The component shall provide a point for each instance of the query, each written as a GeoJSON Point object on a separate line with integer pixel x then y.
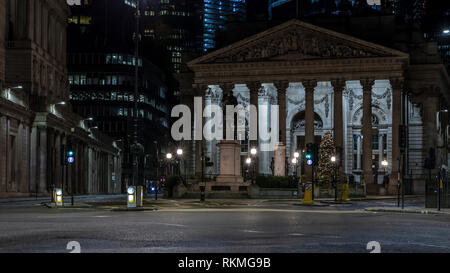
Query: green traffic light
{"type": "Point", "coordinates": [70, 153]}
{"type": "Point", "coordinates": [308, 156]}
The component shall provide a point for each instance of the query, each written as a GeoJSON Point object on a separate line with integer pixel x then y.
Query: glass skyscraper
{"type": "Point", "coordinates": [215, 15]}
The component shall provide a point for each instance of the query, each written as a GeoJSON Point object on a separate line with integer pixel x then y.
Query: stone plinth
{"type": "Point", "coordinates": [280, 159]}
{"type": "Point", "coordinates": [230, 163]}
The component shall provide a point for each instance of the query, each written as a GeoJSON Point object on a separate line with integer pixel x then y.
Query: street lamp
{"type": "Point", "coordinates": [334, 160]}
{"type": "Point", "coordinates": [296, 154]}
{"type": "Point", "coordinates": [295, 162]}
{"type": "Point", "coordinates": [253, 152]}
{"type": "Point", "coordinates": [169, 156]}
{"type": "Point", "coordinates": [179, 155]}
{"type": "Point", "coordinates": [248, 161]}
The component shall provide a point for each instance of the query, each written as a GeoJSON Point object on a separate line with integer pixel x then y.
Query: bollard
{"type": "Point", "coordinates": [308, 199]}
{"type": "Point", "coordinates": [131, 197]}
{"type": "Point", "coordinates": [344, 196]}
{"type": "Point", "coordinates": [202, 193]}
{"type": "Point", "coordinates": [58, 197]}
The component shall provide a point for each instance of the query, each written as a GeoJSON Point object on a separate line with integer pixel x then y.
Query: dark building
{"type": "Point", "coordinates": [437, 26]}
{"type": "Point", "coordinates": [187, 28]}
{"type": "Point", "coordinates": [101, 65]}
{"type": "Point", "coordinates": [174, 26]}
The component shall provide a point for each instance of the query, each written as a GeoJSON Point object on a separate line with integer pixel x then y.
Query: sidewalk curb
{"type": "Point", "coordinates": [84, 206]}
{"type": "Point", "coordinates": [424, 211]}
{"type": "Point", "coordinates": [132, 209]}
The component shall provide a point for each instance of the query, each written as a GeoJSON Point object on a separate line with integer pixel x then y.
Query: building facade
{"type": "Point", "coordinates": [35, 115]}
{"type": "Point", "coordinates": [324, 81]}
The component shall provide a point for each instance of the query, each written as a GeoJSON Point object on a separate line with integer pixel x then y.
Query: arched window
{"type": "Point", "coordinates": [299, 123]}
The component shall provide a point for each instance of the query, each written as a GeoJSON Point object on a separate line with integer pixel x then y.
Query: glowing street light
{"type": "Point", "coordinates": [333, 159]}
{"type": "Point", "coordinates": [446, 31]}
{"type": "Point", "coordinates": [180, 152]}
{"type": "Point", "coordinates": [294, 161]}
{"type": "Point", "coordinates": [296, 154]}
{"type": "Point", "coordinates": [169, 156]}
{"type": "Point", "coordinates": [248, 161]}
{"type": "Point", "coordinates": [384, 163]}
{"type": "Point", "coordinates": [253, 151]}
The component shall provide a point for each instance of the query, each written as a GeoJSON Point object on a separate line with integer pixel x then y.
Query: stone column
{"type": "Point", "coordinates": [367, 85]}
{"type": "Point", "coordinates": [3, 152]}
{"type": "Point", "coordinates": [42, 159]}
{"type": "Point", "coordinates": [198, 144]}
{"type": "Point", "coordinates": [280, 150]}
{"type": "Point", "coordinates": [254, 95]}
{"type": "Point", "coordinates": [430, 108]}
{"type": "Point", "coordinates": [309, 120]}
{"type": "Point", "coordinates": [358, 159]}
{"type": "Point", "coordinates": [397, 86]}
{"type": "Point", "coordinates": [339, 85]}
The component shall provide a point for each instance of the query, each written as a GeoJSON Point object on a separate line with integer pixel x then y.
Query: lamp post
{"type": "Point", "coordinates": [295, 162]}
{"type": "Point", "coordinates": [253, 152]}
{"type": "Point", "coordinates": [179, 157]}
{"type": "Point", "coordinates": [169, 157]}
{"type": "Point", "coordinates": [248, 161]}
{"type": "Point", "coordinates": [334, 161]}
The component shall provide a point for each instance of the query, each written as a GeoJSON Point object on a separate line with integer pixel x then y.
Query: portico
{"type": "Point", "coordinates": [322, 81]}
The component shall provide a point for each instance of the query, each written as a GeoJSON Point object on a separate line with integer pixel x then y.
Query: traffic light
{"type": "Point", "coordinates": [70, 154]}
{"type": "Point", "coordinates": [162, 180]}
{"type": "Point", "coordinates": [208, 162]}
{"type": "Point", "coordinates": [309, 154]}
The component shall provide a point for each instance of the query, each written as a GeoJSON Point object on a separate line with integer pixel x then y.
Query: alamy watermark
{"type": "Point", "coordinates": [262, 125]}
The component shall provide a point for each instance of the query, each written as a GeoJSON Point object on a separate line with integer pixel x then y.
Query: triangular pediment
{"type": "Point", "coordinates": [296, 40]}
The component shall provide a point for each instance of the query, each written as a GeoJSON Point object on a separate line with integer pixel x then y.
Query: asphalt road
{"type": "Point", "coordinates": [248, 230]}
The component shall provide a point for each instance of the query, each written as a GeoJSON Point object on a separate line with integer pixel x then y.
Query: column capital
{"type": "Point", "coordinates": [227, 87]}
{"type": "Point", "coordinates": [254, 86]}
{"type": "Point", "coordinates": [397, 83]}
{"type": "Point", "coordinates": [309, 85]}
{"type": "Point", "coordinates": [281, 85]}
{"type": "Point", "coordinates": [201, 88]}
{"type": "Point", "coordinates": [339, 84]}
{"type": "Point", "coordinates": [367, 84]}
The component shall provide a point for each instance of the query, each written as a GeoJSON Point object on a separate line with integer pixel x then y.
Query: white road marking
{"type": "Point", "coordinates": [252, 231]}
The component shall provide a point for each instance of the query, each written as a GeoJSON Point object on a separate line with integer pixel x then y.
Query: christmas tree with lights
{"type": "Point", "coordinates": [325, 168]}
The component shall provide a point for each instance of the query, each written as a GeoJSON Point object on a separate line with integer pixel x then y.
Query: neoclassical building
{"type": "Point", "coordinates": [327, 81]}
{"type": "Point", "coordinates": [36, 118]}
